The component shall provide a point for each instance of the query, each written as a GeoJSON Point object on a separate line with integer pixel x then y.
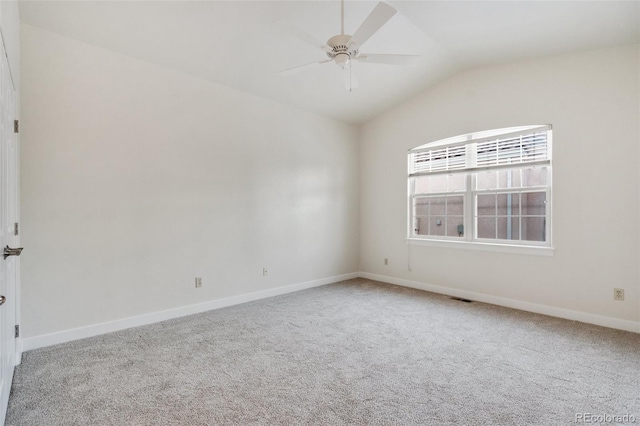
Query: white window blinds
{"type": "Point", "coordinates": [515, 147]}
{"type": "Point", "coordinates": [439, 159]}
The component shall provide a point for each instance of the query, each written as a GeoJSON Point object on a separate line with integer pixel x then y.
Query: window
{"type": "Point", "coordinates": [489, 187]}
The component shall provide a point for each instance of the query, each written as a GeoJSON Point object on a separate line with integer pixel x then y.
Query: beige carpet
{"type": "Point", "coordinates": [356, 352]}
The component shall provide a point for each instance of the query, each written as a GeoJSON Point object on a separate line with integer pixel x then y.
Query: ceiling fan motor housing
{"type": "Point", "coordinates": [340, 51]}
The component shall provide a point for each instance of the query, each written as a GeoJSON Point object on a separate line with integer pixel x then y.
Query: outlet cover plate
{"type": "Point", "coordinates": [618, 294]}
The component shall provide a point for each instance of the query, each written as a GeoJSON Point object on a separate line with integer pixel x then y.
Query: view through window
{"type": "Point", "coordinates": [487, 187]}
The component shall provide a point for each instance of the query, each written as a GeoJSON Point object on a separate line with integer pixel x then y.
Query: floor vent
{"type": "Point", "coordinates": [460, 299]}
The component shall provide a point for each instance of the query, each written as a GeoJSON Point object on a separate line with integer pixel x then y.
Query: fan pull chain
{"type": "Point", "coordinates": [350, 76]}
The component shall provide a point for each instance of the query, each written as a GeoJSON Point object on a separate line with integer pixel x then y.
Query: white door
{"type": "Point", "coordinates": [8, 217]}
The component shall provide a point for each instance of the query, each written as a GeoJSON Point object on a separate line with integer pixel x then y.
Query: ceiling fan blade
{"type": "Point", "coordinates": [376, 19]}
{"type": "Point", "coordinates": [297, 69]}
{"type": "Point", "coordinates": [380, 58]}
{"type": "Point", "coordinates": [301, 35]}
{"type": "Point", "coordinates": [349, 78]}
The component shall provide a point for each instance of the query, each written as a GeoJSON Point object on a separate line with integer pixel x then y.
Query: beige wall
{"type": "Point", "coordinates": [136, 179]}
{"type": "Point", "coordinates": [592, 100]}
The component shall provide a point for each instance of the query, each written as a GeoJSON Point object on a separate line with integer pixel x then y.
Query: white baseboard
{"type": "Point", "coordinates": [511, 303]}
{"type": "Point", "coordinates": [121, 324]}
{"type": "Point", "coordinates": [111, 326]}
{"type": "Point", "coordinates": [18, 359]}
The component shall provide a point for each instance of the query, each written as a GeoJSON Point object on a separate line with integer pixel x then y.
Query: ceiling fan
{"type": "Point", "coordinates": [344, 49]}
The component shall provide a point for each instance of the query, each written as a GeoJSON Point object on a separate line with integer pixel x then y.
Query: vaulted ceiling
{"type": "Point", "coordinates": [242, 44]}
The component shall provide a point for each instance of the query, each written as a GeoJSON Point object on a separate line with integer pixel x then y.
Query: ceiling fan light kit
{"type": "Point", "coordinates": [340, 51]}
{"type": "Point", "coordinates": [343, 49]}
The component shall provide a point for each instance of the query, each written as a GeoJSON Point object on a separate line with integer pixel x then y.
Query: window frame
{"type": "Point", "coordinates": [470, 238]}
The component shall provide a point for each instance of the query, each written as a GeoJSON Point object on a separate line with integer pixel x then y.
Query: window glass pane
{"type": "Point", "coordinates": [533, 203]}
{"type": "Point", "coordinates": [533, 228]}
{"type": "Point", "coordinates": [421, 206]}
{"type": "Point", "coordinates": [437, 225]}
{"type": "Point", "coordinates": [486, 204]}
{"type": "Point", "coordinates": [502, 179]}
{"type": "Point", "coordinates": [535, 176]}
{"type": "Point", "coordinates": [421, 185]}
{"type": "Point", "coordinates": [437, 206]}
{"type": "Point", "coordinates": [502, 204]}
{"type": "Point", "coordinates": [509, 204]}
{"type": "Point", "coordinates": [515, 203]}
{"type": "Point", "coordinates": [508, 228]}
{"type": "Point", "coordinates": [458, 182]}
{"type": "Point", "coordinates": [438, 183]}
{"type": "Point", "coordinates": [455, 227]}
{"type": "Point", "coordinates": [487, 227]}
{"type": "Point", "coordinates": [509, 178]}
{"type": "Point", "coordinates": [515, 228]}
{"type": "Point", "coordinates": [455, 205]}
{"type": "Point", "coordinates": [486, 180]}
{"type": "Point", "coordinates": [422, 226]}
{"type": "Point", "coordinates": [516, 178]}
{"type": "Point", "coordinates": [502, 228]}
{"type": "Point", "coordinates": [438, 215]}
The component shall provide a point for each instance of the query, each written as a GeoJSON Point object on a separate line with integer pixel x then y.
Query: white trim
{"type": "Point", "coordinates": [600, 320]}
{"type": "Point", "coordinates": [5, 396]}
{"type": "Point", "coordinates": [530, 165]}
{"type": "Point", "coordinates": [475, 245]}
{"type": "Point", "coordinates": [485, 135]}
{"type": "Point", "coordinates": [150, 318]}
{"type": "Point", "coordinates": [18, 357]}
{"type": "Point", "coordinates": [36, 342]}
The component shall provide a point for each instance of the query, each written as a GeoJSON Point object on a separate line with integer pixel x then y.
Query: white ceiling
{"type": "Point", "coordinates": [240, 43]}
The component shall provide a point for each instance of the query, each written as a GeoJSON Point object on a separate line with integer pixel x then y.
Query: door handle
{"type": "Point", "coordinates": [2, 300]}
{"type": "Point", "coordinates": [8, 251]}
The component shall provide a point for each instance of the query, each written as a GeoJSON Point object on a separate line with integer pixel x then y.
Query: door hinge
{"type": "Point", "coordinates": [17, 331]}
{"type": "Point", "coordinates": [16, 229]}
{"type": "Point", "coordinates": [16, 126]}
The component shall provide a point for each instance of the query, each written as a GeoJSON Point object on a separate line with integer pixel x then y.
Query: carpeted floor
{"type": "Point", "coordinates": [357, 352]}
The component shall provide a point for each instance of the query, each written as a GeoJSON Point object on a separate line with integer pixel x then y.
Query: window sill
{"type": "Point", "coordinates": [500, 248]}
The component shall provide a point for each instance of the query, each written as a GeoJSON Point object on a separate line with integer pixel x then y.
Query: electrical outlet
{"type": "Point", "coordinates": [386, 261]}
{"type": "Point", "coordinates": [265, 272]}
{"type": "Point", "coordinates": [618, 294]}
{"type": "Point", "coordinates": [198, 282]}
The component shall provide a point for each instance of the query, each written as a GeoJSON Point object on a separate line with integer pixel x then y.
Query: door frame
{"type": "Point", "coordinates": [14, 205]}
